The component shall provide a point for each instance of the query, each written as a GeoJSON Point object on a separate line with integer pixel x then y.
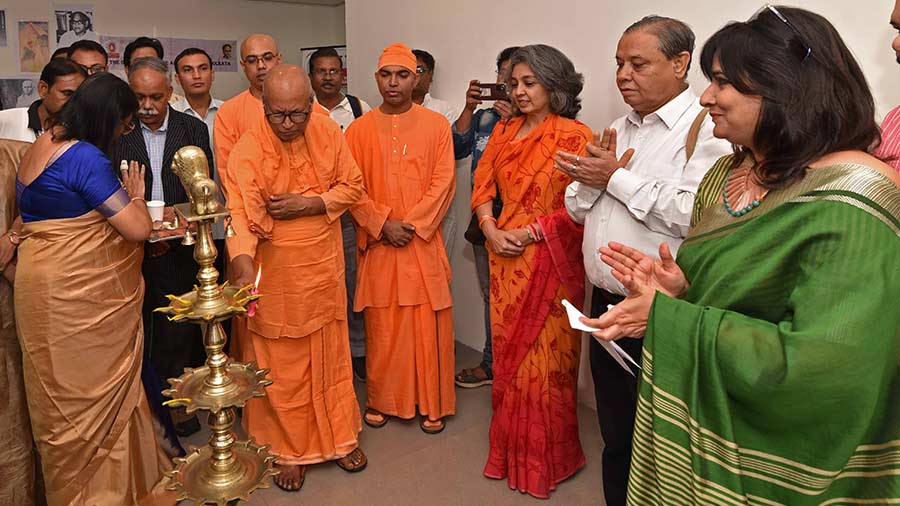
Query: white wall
{"type": "Point", "coordinates": [294, 26]}
{"type": "Point", "coordinates": [465, 36]}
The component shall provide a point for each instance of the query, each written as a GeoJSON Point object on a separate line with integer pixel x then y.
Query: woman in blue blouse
{"type": "Point", "coordinates": [78, 296]}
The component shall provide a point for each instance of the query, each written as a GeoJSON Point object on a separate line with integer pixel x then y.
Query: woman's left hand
{"type": "Point", "coordinates": [627, 318]}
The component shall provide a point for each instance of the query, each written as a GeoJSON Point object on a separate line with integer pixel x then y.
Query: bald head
{"type": "Point", "coordinates": [256, 42]}
{"type": "Point", "coordinates": [287, 99]}
{"type": "Point", "coordinates": [259, 53]}
{"type": "Point", "coordinates": [286, 82]}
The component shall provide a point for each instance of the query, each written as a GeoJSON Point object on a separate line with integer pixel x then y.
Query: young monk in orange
{"type": "Point", "coordinates": [406, 155]}
{"type": "Point", "coordinates": [290, 178]}
{"type": "Point", "coordinates": [259, 53]}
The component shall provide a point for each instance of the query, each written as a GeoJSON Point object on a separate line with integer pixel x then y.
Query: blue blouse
{"type": "Point", "coordinates": [80, 180]}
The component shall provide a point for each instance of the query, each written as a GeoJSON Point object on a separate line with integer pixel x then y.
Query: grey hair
{"type": "Point", "coordinates": [152, 63]}
{"type": "Point", "coordinates": [556, 73]}
{"type": "Point", "coordinates": [674, 36]}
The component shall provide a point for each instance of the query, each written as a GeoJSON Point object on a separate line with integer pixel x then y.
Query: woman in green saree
{"type": "Point", "coordinates": [770, 362]}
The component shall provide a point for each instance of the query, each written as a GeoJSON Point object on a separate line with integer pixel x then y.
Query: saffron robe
{"type": "Point", "coordinates": [408, 168]}
{"type": "Point", "coordinates": [310, 413]}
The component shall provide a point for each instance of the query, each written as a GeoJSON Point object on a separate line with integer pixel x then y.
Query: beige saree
{"type": "Point", "coordinates": [78, 297]}
{"type": "Point", "coordinates": [17, 462]}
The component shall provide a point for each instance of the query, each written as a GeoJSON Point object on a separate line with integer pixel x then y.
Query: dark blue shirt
{"type": "Point", "coordinates": [475, 139]}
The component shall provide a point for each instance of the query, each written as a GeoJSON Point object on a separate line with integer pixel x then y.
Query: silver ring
{"type": "Point", "coordinates": [577, 160]}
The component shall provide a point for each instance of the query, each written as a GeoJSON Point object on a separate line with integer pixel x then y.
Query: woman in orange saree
{"type": "Point", "coordinates": [78, 297]}
{"type": "Point", "coordinates": [535, 262]}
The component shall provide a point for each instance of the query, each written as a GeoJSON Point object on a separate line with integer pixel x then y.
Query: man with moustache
{"type": "Point", "coordinates": [59, 79]}
{"type": "Point", "coordinates": [169, 267]}
{"type": "Point", "coordinates": [405, 153]}
{"type": "Point", "coordinates": [889, 149]}
{"type": "Point", "coordinates": [290, 178]}
{"type": "Point", "coordinates": [636, 186]}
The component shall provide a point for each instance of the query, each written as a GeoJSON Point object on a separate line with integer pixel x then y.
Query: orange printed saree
{"type": "Point", "coordinates": [534, 430]}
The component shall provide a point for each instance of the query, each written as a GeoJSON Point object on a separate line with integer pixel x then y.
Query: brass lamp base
{"type": "Point", "coordinates": [192, 390]}
{"type": "Point", "coordinates": [195, 480]}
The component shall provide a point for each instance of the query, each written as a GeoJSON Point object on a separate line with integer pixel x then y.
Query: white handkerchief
{"type": "Point", "coordinates": [611, 347]}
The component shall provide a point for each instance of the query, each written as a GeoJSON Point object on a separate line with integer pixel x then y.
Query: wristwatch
{"type": "Point", "coordinates": [13, 237]}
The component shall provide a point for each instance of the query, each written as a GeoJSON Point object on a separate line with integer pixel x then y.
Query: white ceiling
{"type": "Point", "coordinates": [307, 2]}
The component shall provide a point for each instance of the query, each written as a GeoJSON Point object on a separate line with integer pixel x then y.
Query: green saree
{"type": "Point", "coordinates": [774, 379]}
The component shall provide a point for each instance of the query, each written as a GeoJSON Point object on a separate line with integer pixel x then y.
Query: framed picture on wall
{"type": "Point", "coordinates": [34, 46]}
{"type": "Point", "coordinates": [74, 23]}
{"type": "Point", "coordinates": [2, 28]}
{"type": "Point", "coordinates": [306, 52]}
{"type": "Point", "coordinates": [18, 91]}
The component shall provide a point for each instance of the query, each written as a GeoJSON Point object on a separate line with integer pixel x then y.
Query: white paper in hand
{"type": "Point", "coordinates": [615, 351]}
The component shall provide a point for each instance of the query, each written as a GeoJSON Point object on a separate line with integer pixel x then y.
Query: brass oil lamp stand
{"type": "Point", "coordinates": [225, 470]}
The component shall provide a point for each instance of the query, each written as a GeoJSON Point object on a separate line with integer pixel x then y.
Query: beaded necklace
{"type": "Point", "coordinates": [736, 192]}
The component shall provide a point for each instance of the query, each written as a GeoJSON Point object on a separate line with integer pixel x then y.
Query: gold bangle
{"type": "Point", "coordinates": [142, 199]}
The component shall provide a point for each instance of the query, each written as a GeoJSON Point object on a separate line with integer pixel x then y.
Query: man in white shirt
{"type": "Point", "coordinates": [425, 70]}
{"type": "Point", "coordinates": [637, 186]}
{"type": "Point", "coordinates": [326, 74]}
{"type": "Point", "coordinates": [59, 80]}
{"type": "Point", "coordinates": [195, 73]}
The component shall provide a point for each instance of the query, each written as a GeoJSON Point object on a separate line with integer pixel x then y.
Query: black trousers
{"type": "Point", "coordinates": [170, 346]}
{"type": "Point", "coordinates": [616, 394]}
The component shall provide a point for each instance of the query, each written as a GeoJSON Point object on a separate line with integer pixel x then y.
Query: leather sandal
{"type": "Point", "coordinates": [353, 462]}
{"type": "Point", "coordinates": [374, 423]}
{"type": "Point", "coordinates": [431, 429]}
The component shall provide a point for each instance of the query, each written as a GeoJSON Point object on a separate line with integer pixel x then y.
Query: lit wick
{"type": "Point", "coordinates": [251, 308]}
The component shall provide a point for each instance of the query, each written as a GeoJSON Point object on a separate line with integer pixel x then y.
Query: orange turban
{"type": "Point", "coordinates": [397, 54]}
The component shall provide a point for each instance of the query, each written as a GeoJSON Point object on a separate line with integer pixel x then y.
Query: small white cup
{"type": "Point", "coordinates": [157, 209]}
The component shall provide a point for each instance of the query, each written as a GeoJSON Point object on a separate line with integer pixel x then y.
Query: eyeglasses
{"type": "Point", "coordinates": [93, 69]}
{"type": "Point", "coordinates": [253, 59]}
{"type": "Point", "coordinates": [277, 118]}
{"type": "Point", "coordinates": [127, 127]}
{"type": "Point", "coordinates": [421, 69]}
{"type": "Point", "coordinates": [806, 48]}
{"type": "Point", "coordinates": [330, 72]}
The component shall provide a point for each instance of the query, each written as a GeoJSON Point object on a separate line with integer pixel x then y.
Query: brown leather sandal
{"type": "Point", "coordinates": [374, 422]}
{"type": "Point", "coordinates": [353, 462]}
{"type": "Point", "coordinates": [431, 429]}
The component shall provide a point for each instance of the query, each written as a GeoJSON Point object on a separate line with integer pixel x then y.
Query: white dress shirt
{"type": "Point", "coordinates": [441, 107]}
{"type": "Point", "coordinates": [649, 201]}
{"type": "Point", "coordinates": [342, 114]}
{"type": "Point", "coordinates": [14, 125]}
{"type": "Point", "coordinates": [184, 106]}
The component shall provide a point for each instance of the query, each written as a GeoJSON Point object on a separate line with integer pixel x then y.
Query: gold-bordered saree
{"type": "Point", "coordinates": [774, 379]}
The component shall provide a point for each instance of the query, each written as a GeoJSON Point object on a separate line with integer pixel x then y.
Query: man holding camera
{"type": "Point", "coordinates": [470, 136]}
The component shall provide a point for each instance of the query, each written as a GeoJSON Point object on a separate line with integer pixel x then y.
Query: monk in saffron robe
{"type": "Point", "coordinates": [405, 153]}
{"type": "Point", "coordinates": [289, 179]}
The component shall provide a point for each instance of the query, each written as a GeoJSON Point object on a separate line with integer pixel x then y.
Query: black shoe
{"type": "Point", "coordinates": [359, 368]}
{"type": "Point", "coordinates": [187, 427]}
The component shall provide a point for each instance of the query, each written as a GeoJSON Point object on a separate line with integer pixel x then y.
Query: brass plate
{"type": "Point", "coordinates": [190, 390]}
{"type": "Point", "coordinates": [194, 480]}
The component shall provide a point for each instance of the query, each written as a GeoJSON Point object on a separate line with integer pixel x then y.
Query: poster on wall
{"type": "Point", "coordinates": [34, 45]}
{"type": "Point", "coordinates": [18, 91]}
{"type": "Point", "coordinates": [306, 52]}
{"type": "Point", "coordinates": [2, 28]}
{"type": "Point", "coordinates": [74, 23]}
{"type": "Point", "coordinates": [221, 51]}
